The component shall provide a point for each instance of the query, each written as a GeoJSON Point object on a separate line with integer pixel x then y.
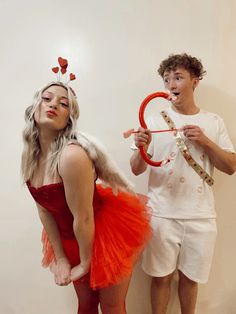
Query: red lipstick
{"type": "Point", "coordinates": [51, 113]}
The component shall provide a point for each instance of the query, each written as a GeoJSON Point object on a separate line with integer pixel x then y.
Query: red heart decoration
{"type": "Point", "coordinates": [72, 77]}
{"type": "Point", "coordinates": [63, 62]}
{"type": "Point", "coordinates": [55, 69]}
{"type": "Point", "coordinates": [63, 70]}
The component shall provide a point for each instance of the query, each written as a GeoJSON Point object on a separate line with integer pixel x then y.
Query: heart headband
{"type": "Point", "coordinates": [62, 69]}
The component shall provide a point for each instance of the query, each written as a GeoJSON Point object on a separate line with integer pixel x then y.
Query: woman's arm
{"type": "Point", "coordinates": [77, 173]}
{"type": "Point", "coordinates": [61, 268]}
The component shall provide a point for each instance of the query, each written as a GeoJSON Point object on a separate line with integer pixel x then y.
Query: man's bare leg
{"type": "Point", "coordinates": [160, 293]}
{"type": "Point", "coordinates": [187, 294]}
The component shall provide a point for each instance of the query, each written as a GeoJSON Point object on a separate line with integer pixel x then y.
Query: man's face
{"type": "Point", "coordinates": [181, 84]}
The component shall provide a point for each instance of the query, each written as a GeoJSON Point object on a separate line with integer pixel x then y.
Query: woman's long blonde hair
{"type": "Point", "coordinates": [32, 149]}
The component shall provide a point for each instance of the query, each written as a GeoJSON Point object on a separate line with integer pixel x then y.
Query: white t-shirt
{"type": "Point", "coordinates": [175, 190]}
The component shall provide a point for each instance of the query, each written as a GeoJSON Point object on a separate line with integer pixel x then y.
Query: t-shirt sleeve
{"type": "Point", "coordinates": [223, 138]}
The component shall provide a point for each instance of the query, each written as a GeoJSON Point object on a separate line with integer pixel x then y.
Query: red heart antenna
{"type": "Point", "coordinates": [63, 63]}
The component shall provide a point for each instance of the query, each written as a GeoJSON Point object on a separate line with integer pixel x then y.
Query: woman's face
{"type": "Point", "coordinates": [53, 112]}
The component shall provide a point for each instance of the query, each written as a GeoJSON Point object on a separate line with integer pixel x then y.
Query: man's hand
{"type": "Point", "coordinates": [195, 133]}
{"type": "Point", "coordinates": [142, 138]}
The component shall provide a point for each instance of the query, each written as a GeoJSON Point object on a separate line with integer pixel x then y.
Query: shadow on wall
{"type": "Point", "coordinates": [219, 102]}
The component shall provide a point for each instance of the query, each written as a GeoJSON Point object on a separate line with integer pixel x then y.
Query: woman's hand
{"type": "Point", "coordinates": [61, 270]}
{"type": "Point", "coordinates": [79, 271]}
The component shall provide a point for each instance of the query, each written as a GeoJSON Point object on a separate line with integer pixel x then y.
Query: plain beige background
{"type": "Point", "coordinates": [115, 47]}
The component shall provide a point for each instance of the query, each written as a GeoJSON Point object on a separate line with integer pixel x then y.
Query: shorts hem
{"type": "Point", "coordinates": [183, 217]}
{"type": "Point", "coordinates": [201, 281]}
{"type": "Point", "coordinates": [155, 274]}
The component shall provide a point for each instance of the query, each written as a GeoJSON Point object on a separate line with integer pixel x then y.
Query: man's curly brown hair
{"type": "Point", "coordinates": [191, 64]}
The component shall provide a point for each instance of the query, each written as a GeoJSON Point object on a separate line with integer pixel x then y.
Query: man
{"type": "Point", "coordinates": [180, 192]}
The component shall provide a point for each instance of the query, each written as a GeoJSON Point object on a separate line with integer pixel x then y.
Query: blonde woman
{"type": "Point", "coordinates": [92, 235]}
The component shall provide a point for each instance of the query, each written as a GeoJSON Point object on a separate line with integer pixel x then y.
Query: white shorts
{"type": "Point", "coordinates": [185, 244]}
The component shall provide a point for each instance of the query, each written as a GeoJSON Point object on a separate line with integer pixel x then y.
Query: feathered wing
{"type": "Point", "coordinates": [106, 169]}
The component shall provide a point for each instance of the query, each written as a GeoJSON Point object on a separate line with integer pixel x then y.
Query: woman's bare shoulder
{"type": "Point", "coordinates": [74, 157]}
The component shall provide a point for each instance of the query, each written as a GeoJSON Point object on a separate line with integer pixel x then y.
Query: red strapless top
{"type": "Point", "coordinates": [52, 197]}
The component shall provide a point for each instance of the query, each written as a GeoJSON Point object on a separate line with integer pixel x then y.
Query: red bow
{"type": "Point", "coordinates": [144, 125]}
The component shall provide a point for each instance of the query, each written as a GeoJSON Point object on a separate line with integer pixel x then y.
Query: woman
{"type": "Point", "coordinates": [92, 235]}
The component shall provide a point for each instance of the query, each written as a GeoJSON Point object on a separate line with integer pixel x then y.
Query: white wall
{"type": "Point", "coordinates": [115, 47]}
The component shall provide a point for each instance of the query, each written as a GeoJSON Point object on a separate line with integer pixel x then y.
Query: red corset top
{"type": "Point", "coordinates": [52, 197]}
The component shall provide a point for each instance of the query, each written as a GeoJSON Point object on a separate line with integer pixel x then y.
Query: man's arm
{"type": "Point", "coordinates": [142, 138]}
{"type": "Point", "coordinates": [138, 165]}
{"type": "Point", "coordinates": [221, 159]}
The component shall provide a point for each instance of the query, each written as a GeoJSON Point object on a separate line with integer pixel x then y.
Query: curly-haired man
{"type": "Point", "coordinates": [180, 193]}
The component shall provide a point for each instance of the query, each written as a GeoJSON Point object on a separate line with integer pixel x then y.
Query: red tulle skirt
{"type": "Point", "coordinates": [121, 231]}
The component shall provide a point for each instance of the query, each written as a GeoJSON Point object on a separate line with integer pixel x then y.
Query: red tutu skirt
{"type": "Point", "coordinates": [121, 231]}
